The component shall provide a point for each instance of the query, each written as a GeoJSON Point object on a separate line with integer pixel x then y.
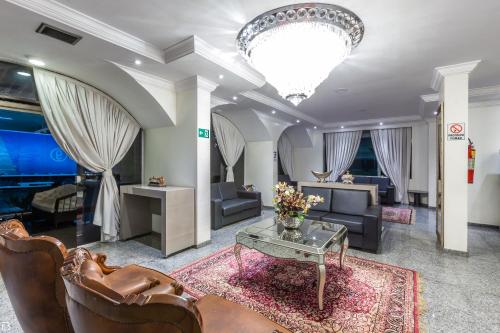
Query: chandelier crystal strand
{"type": "Point", "coordinates": [296, 47]}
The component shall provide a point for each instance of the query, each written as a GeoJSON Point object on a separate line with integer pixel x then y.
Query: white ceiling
{"type": "Point", "coordinates": [384, 77]}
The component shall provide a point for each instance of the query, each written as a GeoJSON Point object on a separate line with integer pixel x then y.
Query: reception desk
{"type": "Point", "coordinates": [372, 188]}
{"type": "Point", "coordinates": [174, 205]}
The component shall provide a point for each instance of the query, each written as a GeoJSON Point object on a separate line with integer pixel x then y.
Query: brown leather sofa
{"type": "Point", "coordinates": [30, 271]}
{"type": "Point", "coordinates": [97, 304]}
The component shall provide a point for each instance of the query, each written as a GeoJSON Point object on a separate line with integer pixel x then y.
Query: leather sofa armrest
{"type": "Point", "coordinates": [391, 190]}
{"type": "Point", "coordinates": [216, 213]}
{"type": "Point", "coordinates": [249, 194]}
{"type": "Point", "coordinates": [372, 228]}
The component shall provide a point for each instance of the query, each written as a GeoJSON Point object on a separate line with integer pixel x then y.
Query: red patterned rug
{"type": "Point", "coordinates": [364, 296]}
{"type": "Point", "coordinates": [398, 215]}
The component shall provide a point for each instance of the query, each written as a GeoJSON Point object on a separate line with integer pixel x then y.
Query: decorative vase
{"type": "Point", "coordinates": [291, 222]}
{"type": "Point", "coordinates": [291, 235]}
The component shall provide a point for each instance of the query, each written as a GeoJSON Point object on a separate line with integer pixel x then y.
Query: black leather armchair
{"type": "Point", "coordinates": [352, 209]}
{"type": "Point", "coordinates": [229, 205]}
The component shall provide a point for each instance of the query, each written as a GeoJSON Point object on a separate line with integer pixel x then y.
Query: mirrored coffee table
{"type": "Point", "coordinates": [311, 243]}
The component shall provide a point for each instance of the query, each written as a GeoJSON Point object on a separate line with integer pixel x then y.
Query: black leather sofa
{"type": "Point", "coordinates": [229, 205]}
{"type": "Point", "coordinates": [385, 187]}
{"type": "Point", "coordinates": [352, 209]}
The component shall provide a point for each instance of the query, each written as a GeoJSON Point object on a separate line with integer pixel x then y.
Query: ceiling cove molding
{"type": "Point", "coordinates": [442, 72]}
{"type": "Point", "coordinates": [194, 44]}
{"type": "Point", "coordinates": [271, 102]}
{"type": "Point", "coordinates": [195, 82]}
{"type": "Point", "coordinates": [217, 101]}
{"type": "Point", "coordinates": [476, 92]}
{"type": "Point", "coordinates": [374, 121]}
{"type": "Point", "coordinates": [147, 77]}
{"type": "Point", "coordinates": [77, 20]}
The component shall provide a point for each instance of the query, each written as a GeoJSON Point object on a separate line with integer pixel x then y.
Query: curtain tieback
{"type": "Point", "coordinates": [107, 173]}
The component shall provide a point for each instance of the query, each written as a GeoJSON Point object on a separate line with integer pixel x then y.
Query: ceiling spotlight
{"type": "Point", "coordinates": [235, 98]}
{"type": "Point", "coordinates": [342, 126]}
{"type": "Point", "coordinates": [297, 121]}
{"type": "Point", "coordinates": [23, 73]}
{"type": "Point", "coordinates": [138, 62]}
{"type": "Point", "coordinates": [221, 76]}
{"type": "Point", "coordinates": [273, 112]}
{"type": "Point", "coordinates": [435, 113]}
{"type": "Point", "coordinates": [381, 123]}
{"type": "Point", "coordinates": [36, 62]}
{"type": "Point", "coordinates": [326, 34]}
{"type": "Point", "coordinates": [315, 127]}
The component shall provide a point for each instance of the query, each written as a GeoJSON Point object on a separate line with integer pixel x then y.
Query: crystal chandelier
{"type": "Point", "coordinates": [296, 47]}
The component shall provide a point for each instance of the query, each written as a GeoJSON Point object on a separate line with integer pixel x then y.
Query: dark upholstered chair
{"type": "Point", "coordinates": [286, 179]}
{"type": "Point", "coordinates": [229, 205]}
{"type": "Point", "coordinates": [385, 188]}
{"type": "Point", "coordinates": [30, 271]}
{"type": "Point", "coordinates": [352, 209]}
{"type": "Point", "coordinates": [96, 307]}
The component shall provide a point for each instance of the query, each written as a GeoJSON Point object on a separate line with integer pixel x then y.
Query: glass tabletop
{"type": "Point", "coordinates": [312, 236]}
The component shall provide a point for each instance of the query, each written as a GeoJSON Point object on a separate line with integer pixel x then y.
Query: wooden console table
{"type": "Point", "coordinates": [372, 188]}
{"type": "Point", "coordinates": [174, 204]}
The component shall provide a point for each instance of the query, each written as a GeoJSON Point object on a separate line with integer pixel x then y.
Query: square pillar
{"type": "Point", "coordinates": [452, 82]}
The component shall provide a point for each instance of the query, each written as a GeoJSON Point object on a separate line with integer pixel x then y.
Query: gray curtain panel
{"type": "Point", "coordinates": [285, 150]}
{"type": "Point", "coordinates": [230, 141]}
{"type": "Point", "coordinates": [94, 130]}
{"type": "Point", "coordinates": [393, 150]}
{"type": "Point", "coordinates": [341, 149]}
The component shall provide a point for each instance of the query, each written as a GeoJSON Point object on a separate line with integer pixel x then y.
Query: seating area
{"type": "Point", "coordinates": [249, 166]}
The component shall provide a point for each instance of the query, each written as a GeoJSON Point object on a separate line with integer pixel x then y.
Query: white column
{"type": "Point", "coordinates": [453, 84]}
{"type": "Point", "coordinates": [180, 155]}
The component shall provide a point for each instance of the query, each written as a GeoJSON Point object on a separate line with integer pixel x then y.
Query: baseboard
{"type": "Point", "coordinates": [487, 226]}
{"type": "Point", "coordinates": [203, 244]}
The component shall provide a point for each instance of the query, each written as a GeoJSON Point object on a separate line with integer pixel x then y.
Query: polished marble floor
{"type": "Point", "coordinates": [462, 293]}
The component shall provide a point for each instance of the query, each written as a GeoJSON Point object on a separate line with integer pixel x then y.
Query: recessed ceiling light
{"type": "Point", "coordinates": [273, 112]}
{"type": "Point", "coordinates": [315, 127]}
{"type": "Point", "coordinates": [435, 113]}
{"type": "Point", "coordinates": [297, 121]}
{"type": "Point", "coordinates": [36, 62]}
{"type": "Point", "coordinates": [221, 76]}
{"type": "Point", "coordinates": [381, 123]}
{"type": "Point", "coordinates": [138, 62]}
{"type": "Point", "coordinates": [235, 98]}
{"type": "Point", "coordinates": [342, 126]}
{"type": "Point", "coordinates": [23, 73]}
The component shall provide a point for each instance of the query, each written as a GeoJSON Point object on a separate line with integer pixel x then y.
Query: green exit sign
{"type": "Point", "coordinates": [203, 133]}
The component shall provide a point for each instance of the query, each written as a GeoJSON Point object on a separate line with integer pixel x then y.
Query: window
{"type": "Point", "coordinates": [365, 162]}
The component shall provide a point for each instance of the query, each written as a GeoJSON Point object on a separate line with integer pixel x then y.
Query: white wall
{"type": "Point", "coordinates": [484, 194]}
{"type": "Point", "coordinates": [259, 168]}
{"type": "Point", "coordinates": [307, 159]}
{"type": "Point", "coordinates": [432, 155]}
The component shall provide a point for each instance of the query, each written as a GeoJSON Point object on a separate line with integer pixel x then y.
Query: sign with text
{"type": "Point", "coordinates": [203, 133]}
{"type": "Point", "coordinates": [456, 131]}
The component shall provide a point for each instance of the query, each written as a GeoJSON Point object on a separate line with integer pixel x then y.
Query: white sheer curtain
{"type": "Point", "coordinates": [393, 150]}
{"type": "Point", "coordinates": [93, 130]}
{"type": "Point", "coordinates": [285, 150]}
{"type": "Point", "coordinates": [341, 149]}
{"type": "Point", "coordinates": [231, 142]}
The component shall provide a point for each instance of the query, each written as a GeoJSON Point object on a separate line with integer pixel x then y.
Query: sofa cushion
{"type": "Point", "coordinates": [228, 191]}
{"type": "Point", "coordinates": [215, 191]}
{"type": "Point", "coordinates": [353, 223]}
{"type": "Point", "coordinates": [352, 202]}
{"type": "Point", "coordinates": [325, 193]}
{"type": "Point", "coordinates": [315, 215]}
{"type": "Point", "coordinates": [362, 180]}
{"type": "Point", "coordinates": [382, 182]}
{"type": "Point", "coordinates": [233, 206]}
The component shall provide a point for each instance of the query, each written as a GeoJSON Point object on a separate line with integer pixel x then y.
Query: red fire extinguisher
{"type": "Point", "coordinates": [472, 160]}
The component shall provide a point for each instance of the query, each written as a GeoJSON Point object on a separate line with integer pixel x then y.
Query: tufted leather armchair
{"type": "Point", "coordinates": [153, 303]}
{"type": "Point", "coordinates": [30, 271]}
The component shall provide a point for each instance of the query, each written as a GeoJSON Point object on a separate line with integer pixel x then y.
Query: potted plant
{"type": "Point", "coordinates": [291, 205]}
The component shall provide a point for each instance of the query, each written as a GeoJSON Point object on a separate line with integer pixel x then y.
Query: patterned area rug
{"type": "Point", "coordinates": [364, 296]}
{"type": "Point", "coordinates": [398, 215]}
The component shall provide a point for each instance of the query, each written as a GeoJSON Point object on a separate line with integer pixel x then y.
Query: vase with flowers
{"type": "Point", "coordinates": [291, 205]}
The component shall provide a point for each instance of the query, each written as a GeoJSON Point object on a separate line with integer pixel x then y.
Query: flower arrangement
{"type": "Point", "coordinates": [289, 202]}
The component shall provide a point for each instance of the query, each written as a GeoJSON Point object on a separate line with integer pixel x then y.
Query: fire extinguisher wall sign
{"type": "Point", "coordinates": [472, 160]}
